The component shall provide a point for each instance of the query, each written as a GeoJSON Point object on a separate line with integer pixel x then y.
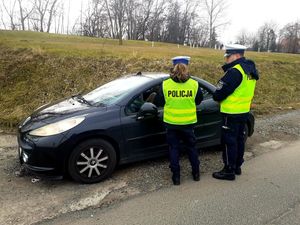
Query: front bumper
{"type": "Point", "coordinates": [41, 155]}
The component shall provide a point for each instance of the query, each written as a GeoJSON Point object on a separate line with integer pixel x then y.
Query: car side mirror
{"type": "Point", "coordinates": [147, 111]}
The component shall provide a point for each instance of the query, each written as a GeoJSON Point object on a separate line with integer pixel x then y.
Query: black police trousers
{"type": "Point", "coordinates": [233, 139]}
{"type": "Point", "coordinates": [174, 136]}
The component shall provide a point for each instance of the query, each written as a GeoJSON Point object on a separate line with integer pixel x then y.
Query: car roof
{"type": "Point", "coordinates": [162, 76]}
{"type": "Point", "coordinates": [152, 75]}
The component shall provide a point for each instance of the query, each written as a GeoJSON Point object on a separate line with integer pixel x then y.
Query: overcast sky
{"type": "Point", "coordinates": [251, 14]}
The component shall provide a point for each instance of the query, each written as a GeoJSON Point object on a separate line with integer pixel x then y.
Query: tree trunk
{"type": "Point", "coordinates": [41, 23]}
{"type": "Point", "coordinates": [21, 15]}
{"type": "Point", "coordinates": [110, 20]}
{"type": "Point", "coordinates": [120, 30]}
{"type": "Point", "coordinates": [51, 15]}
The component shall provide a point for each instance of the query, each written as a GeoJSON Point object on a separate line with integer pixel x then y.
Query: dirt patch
{"type": "Point", "coordinates": [24, 202]}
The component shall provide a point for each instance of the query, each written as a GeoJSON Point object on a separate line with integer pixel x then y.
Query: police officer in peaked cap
{"type": "Point", "coordinates": [235, 91]}
{"type": "Point", "coordinates": [181, 94]}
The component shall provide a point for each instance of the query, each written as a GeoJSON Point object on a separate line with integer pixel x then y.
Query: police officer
{"type": "Point", "coordinates": [235, 91]}
{"type": "Point", "coordinates": [181, 94]}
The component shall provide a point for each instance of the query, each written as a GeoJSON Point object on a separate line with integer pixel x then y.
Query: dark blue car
{"type": "Point", "coordinates": [87, 136]}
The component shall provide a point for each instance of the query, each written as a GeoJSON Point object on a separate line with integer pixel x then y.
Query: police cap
{"type": "Point", "coordinates": [181, 59]}
{"type": "Point", "coordinates": [234, 49]}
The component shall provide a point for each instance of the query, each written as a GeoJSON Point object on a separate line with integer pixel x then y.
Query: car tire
{"type": "Point", "coordinates": [92, 161]}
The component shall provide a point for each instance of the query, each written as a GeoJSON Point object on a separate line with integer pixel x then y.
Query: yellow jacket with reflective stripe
{"type": "Point", "coordinates": [180, 106]}
{"type": "Point", "coordinates": [240, 100]}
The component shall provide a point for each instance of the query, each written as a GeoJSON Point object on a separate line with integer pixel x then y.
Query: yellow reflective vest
{"type": "Point", "coordinates": [240, 100]}
{"type": "Point", "coordinates": [180, 106]}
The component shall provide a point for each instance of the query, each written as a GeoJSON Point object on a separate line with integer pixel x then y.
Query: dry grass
{"type": "Point", "coordinates": [36, 68]}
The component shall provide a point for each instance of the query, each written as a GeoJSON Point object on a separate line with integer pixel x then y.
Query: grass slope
{"type": "Point", "coordinates": [37, 68]}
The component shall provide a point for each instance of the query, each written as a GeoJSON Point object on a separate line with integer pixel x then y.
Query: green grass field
{"type": "Point", "coordinates": [37, 68]}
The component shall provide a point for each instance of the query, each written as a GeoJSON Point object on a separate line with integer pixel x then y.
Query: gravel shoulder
{"type": "Point", "coordinates": [27, 202]}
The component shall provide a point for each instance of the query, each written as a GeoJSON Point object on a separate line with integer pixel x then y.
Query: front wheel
{"type": "Point", "coordinates": [92, 161]}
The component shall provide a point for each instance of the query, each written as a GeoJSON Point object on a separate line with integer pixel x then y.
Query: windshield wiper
{"type": "Point", "coordinates": [80, 98]}
{"type": "Point", "coordinates": [37, 116]}
{"type": "Point", "coordinates": [100, 104]}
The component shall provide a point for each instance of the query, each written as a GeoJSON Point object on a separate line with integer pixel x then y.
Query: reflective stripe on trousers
{"type": "Point", "coordinates": [233, 139]}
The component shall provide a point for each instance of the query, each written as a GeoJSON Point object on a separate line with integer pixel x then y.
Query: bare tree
{"type": "Point", "coordinates": [45, 10]}
{"type": "Point", "coordinates": [188, 16]}
{"type": "Point", "coordinates": [68, 21]}
{"type": "Point", "coordinates": [146, 6]}
{"type": "Point", "coordinates": [10, 11]}
{"type": "Point", "coordinates": [131, 13]}
{"type": "Point", "coordinates": [119, 10]}
{"type": "Point", "coordinates": [203, 35]}
{"type": "Point", "coordinates": [88, 23]}
{"type": "Point", "coordinates": [216, 10]}
{"type": "Point", "coordinates": [199, 33]}
{"type": "Point", "coordinates": [81, 18]}
{"type": "Point", "coordinates": [41, 7]}
{"type": "Point", "coordinates": [25, 12]}
{"type": "Point", "coordinates": [95, 22]}
{"type": "Point", "coordinates": [242, 38]}
{"type": "Point", "coordinates": [59, 18]}
{"type": "Point", "coordinates": [62, 23]}
{"type": "Point", "coordinates": [2, 20]}
{"type": "Point", "coordinates": [116, 13]}
{"type": "Point", "coordinates": [248, 39]}
{"type": "Point", "coordinates": [267, 37]}
{"type": "Point", "coordinates": [157, 20]}
{"type": "Point", "coordinates": [110, 16]}
{"type": "Point", "coordinates": [51, 12]}
{"type": "Point", "coordinates": [173, 23]}
{"type": "Point", "coordinates": [154, 20]}
{"type": "Point", "coordinates": [289, 40]}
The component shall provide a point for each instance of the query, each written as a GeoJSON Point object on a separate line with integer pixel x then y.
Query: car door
{"type": "Point", "coordinates": [208, 127]}
{"type": "Point", "coordinates": [143, 138]}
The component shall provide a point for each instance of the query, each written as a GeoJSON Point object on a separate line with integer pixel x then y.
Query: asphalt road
{"type": "Point", "coordinates": [268, 192]}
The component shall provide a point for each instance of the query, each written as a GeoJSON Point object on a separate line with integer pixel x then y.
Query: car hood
{"type": "Point", "coordinates": [54, 112]}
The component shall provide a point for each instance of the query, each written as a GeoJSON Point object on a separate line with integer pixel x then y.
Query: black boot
{"type": "Point", "coordinates": [238, 171]}
{"type": "Point", "coordinates": [227, 173]}
{"type": "Point", "coordinates": [196, 176]}
{"type": "Point", "coordinates": [176, 179]}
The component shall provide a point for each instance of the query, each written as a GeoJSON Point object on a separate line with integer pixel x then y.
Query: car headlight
{"type": "Point", "coordinates": [58, 127]}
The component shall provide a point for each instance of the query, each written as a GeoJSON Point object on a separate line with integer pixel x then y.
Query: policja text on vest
{"type": "Point", "coordinates": [180, 93]}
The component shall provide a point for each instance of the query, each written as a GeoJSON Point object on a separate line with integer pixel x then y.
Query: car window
{"type": "Point", "coordinates": [150, 95]}
{"type": "Point", "coordinates": [154, 95]}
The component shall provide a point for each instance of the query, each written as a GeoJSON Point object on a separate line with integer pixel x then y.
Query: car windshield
{"type": "Point", "coordinates": [114, 91]}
